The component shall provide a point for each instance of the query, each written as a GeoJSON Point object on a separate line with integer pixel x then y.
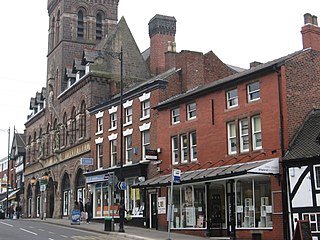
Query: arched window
{"type": "Point", "coordinates": [82, 122]}
{"type": "Point", "coordinates": [34, 146]}
{"type": "Point", "coordinates": [99, 26]}
{"type": "Point", "coordinates": [80, 32]}
{"type": "Point", "coordinates": [56, 143]}
{"type": "Point", "coordinates": [66, 195]}
{"type": "Point", "coordinates": [64, 130]}
{"type": "Point", "coordinates": [80, 185]}
{"type": "Point", "coordinates": [48, 141]}
{"type": "Point", "coordinates": [72, 132]}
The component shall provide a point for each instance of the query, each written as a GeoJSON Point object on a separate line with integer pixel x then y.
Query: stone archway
{"type": "Point", "coordinates": [50, 198]}
{"type": "Point", "coordinates": [66, 195]}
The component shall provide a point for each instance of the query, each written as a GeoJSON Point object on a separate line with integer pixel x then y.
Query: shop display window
{"type": "Point", "coordinates": [134, 199]}
{"type": "Point", "coordinates": [189, 207]}
{"type": "Point", "coordinates": [253, 203]}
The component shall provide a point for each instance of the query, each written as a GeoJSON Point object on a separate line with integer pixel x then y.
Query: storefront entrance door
{"type": "Point", "coordinates": [231, 225]}
{"type": "Point", "coordinates": [153, 211]}
{"type": "Point", "coordinates": [216, 209]}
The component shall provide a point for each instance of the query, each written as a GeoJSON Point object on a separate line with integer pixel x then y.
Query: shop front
{"type": "Point", "coordinates": [105, 188]}
{"type": "Point", "coordinates": [235, 200]}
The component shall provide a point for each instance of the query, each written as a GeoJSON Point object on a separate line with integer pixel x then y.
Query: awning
{"type": "Point", "coordinates": [11, 195]}
{"type": "Point", "coordinates": [270, 167]}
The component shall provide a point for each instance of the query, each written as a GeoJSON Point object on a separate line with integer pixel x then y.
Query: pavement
{"type": "Point", "coordinates": [132, 233]}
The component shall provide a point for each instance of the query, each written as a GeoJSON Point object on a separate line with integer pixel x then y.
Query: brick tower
{"type": "Point", "coordinates": [74, 26]}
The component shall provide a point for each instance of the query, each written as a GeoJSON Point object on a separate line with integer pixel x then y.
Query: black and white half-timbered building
{"type": "Point", "coordinates": [301, 166]}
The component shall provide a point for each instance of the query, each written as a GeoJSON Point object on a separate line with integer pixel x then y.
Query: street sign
{"type": "Point", "coordinates": [122, 185]}
{"type": "Point", "coordinates": [42, 187]}
{"type": "Point", "coordinates": [86, 161]}
{"type": "Point", "coordinates": [176, 175]}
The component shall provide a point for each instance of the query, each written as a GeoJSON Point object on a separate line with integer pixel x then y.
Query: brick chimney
{"type": "Point", "coordinates": [310, 32]}
{"type": "Point", "coordinates": [162, 30]}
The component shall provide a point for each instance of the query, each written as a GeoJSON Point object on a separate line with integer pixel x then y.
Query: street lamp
{"type": "Point", "coordinates": [33, 181]}
{"type": "Point", "coordinates": [119, 56]}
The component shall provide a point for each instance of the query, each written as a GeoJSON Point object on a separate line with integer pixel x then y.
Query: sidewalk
{"type": "Point", "coordinates": [130, 232]}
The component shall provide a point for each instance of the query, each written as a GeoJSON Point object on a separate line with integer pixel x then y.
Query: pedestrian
{"type": "Point", "coordinates": [82, 213]}
{"type": "Point", "coordinates": [88, 208]}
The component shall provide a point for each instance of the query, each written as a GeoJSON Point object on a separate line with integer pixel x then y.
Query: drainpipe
{"type": "Point", "coordinates": [285, 214]}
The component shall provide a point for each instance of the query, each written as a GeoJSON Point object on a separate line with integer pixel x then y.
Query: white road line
{"type": "Point", "coordinates": [50, 238]}
{"type": "Point", "coordinates": [31, 226]}
{"type": "Point", "coordinates": [42, 230]}
{"type": "Point", "coordinates": [25, 230]}
{"type": "Point", "coordinates": [6, 224]}
{"type": "Point", "coordinates": [64, 236]}
{"type": "Point", "coordinates": [51, 232]}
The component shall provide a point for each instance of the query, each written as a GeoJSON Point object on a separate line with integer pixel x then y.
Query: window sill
{"type": "Point", "coordinates": [98, 133]}
{"type": "Point", "coordinates": [112, 129]}
{"type": "Point", "coordinates": [127, 124]}
{"type": "Point", "coordinates": [145, 117]}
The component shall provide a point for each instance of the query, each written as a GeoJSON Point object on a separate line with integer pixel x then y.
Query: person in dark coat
{"type": "Point", "coordinates": [88, 208]}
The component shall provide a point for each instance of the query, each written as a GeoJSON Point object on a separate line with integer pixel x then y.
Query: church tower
{"type": "Point", "coordinates": [75, 25]}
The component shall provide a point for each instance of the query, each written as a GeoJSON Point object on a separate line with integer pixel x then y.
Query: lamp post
{"type": "Point", "coordinates": [119, 56]}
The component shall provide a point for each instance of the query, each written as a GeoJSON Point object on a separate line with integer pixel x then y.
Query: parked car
{"type": "Point", "coordinates": [2, 214]}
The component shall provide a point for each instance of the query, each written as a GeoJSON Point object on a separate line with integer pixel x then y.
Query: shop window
{"type": "Point", "coordinates": [134, 199]}
{"type": "Point", "coordinates": [189, 207]}
{"type": "Point", "coordinates": [314, 220]}
{"type": "Point", "coordinates": [254, 203]}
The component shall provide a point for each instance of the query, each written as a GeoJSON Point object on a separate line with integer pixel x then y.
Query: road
{"type": "Point", "coordinates": [22, 230]}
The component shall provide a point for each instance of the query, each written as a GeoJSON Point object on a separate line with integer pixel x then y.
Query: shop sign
{"type": "Point", "coordinates": [270, 167]}
{"type": "Point", "coordinates": [96, 178]}
{"type": "Point", "coordinates": [86, 161]}
{"type": "Point", "coordinates": [161, 205]}
{"type": "Point", "coordinates": [151, 154]}
{"type": "Point", "coordinates": [75, 217]}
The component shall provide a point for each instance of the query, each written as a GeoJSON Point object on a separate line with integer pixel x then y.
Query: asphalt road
{"type": "Point", "coordinates": [22, 230]}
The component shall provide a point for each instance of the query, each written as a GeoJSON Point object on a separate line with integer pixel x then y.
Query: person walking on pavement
{"type": "Point", "coordinates": [88, 208]}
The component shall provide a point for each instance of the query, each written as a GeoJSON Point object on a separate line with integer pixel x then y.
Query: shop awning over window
{"type": "Point", "coordinates": [270, 167]}
{"type": "Point", "coordinates": [11, 195]}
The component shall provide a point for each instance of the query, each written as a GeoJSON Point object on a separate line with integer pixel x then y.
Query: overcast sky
{"type": "Point", "coordinates": [238, 32]}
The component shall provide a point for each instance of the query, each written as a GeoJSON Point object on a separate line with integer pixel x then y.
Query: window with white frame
{"type": "Point", "coordinates": [232, 138]}
{"type": "Point", "coordinates": [99, 150]}
{"type": "Point", "coordinates": [128, 145]}
{"type": "Point", "coordinates": [113, 121]}
{"type": "Point", "coordinates": [314, 220]}
{"type": "Point", "coordinates": [175, 150]}
{"type": "Point", "coordinates": [232, 98]}
{"type": "Point", "coordinates": [113, 152]}
{"type": "Point", "coordinates": [184, 148]}
{"type": "Point", "coordinates": [256, 133]}
{"type": "Point", "coordinates": [253, 91]}
{"type": "Point", "coordinates": [145, 109]}
{"type": "Point", "coordinates": [317, 176]}
{"type": "Point", "coordinates": [99, 125]}
{"type": "Point", "coordinates": [191, 111]}
{"type": "Point", "coordinates": [145, 142]}
{"type": "Point", "coordinates": [175, 116]}
{"type": "Point", "coordinates": [193, 146]}
{"type": "Point", "coordinates": [244, 135]}
{"type": "Point", "coordinates": [128, 115]}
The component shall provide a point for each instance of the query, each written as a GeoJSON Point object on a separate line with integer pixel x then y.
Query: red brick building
{"type": "Point", "coordinates": [228, 138]}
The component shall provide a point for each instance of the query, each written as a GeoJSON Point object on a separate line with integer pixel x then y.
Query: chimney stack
{"type": "Point", "coordinates": [162, 30]}
{"type": "Point", "coordinates": [310, 32]}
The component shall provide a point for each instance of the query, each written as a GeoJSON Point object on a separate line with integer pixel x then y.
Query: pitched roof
{"type": "Point", "coordinates": [306, 142]}
{"type": "Point", "coordinates": [232, 78]}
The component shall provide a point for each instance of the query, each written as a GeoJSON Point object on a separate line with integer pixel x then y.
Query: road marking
{"type": "Point", "coordinates": [42, 230]}
{"type": "Point", "coordinates": [51, 232]}
{"type": "Point", "coordinates": [64, 236]}
{"type": "Point", "coordinates": [50, 238]}
{"type": "Point", "coordinates": [6, 224]}
{"type": "Point", "coordinates": [22, 229]}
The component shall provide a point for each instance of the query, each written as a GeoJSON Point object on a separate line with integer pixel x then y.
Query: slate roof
{"type": "Point", "coordinates": [230, 79]}
{"type": "Point", "coordinates": [306, 142]}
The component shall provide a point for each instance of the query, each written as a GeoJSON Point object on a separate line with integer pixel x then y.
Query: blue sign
{"type": "Point", "coordinates": [176, 175]}
{"type": "Point", "coordinates": [86, 161]}
{"type": "Point", "coordinates": [75, 217]}
{"type": "Point", "coordinates": [122, 185]}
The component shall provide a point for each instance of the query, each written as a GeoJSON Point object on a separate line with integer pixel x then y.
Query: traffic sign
{"type": "Point", "coordinates": [176, 175]}
{"type": "Point", "coordinates": [122, 185]}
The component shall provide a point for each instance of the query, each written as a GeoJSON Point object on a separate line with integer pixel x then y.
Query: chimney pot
{"type": "Point", "coordinates": [307, 18]}
{"type": "Point", "coordinates": [314, 20]}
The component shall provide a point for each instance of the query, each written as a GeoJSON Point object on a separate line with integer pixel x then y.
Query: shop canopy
{"type": "Point", "coordinates": [11, 195]}
{"type": "Point", "coordinates": [269, 167]}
